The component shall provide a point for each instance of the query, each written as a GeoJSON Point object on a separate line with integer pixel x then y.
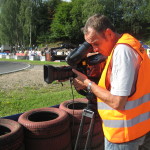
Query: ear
{"type": "Point", "coordinates": [109, 33]}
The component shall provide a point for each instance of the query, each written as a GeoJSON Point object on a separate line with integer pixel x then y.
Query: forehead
{"type": "Point", "coordinates": [91, 36]}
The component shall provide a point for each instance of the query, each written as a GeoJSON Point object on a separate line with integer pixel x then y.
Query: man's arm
{"type": "Point", "coordinates": [116, 102]}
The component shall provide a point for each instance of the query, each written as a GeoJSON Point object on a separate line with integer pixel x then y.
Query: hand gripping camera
{"type": "Point", "coordinates": [78, 60]}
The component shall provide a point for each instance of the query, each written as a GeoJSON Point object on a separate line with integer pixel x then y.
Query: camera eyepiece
{"type": "Point", "coordinates": [77, 55]}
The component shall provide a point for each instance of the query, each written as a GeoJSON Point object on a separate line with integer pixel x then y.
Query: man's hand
{"type": "Point", "coordinates": [91, 54]}
{"type": "Point", "coordinates": [116, 102]}
{"type": "Point", "coordinates": [78, 84]}
{"type": "Point", "coordinates": [82, 78]}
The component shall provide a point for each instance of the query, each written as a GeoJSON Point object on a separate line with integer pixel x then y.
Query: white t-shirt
{"type": "Point", "coordinates": [125, 67]}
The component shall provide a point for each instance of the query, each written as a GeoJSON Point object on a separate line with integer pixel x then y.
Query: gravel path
{"type": "Point", "coordinates": [29, 77]}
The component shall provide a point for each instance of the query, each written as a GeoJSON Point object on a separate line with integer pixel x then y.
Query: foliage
{"type": "Point", "coordinates": [91, 7]}
{"type": "Point", "coordinates": [25, 22]}
{"type": "Point", "coordinates": [135, 20]}
{"type": "Point", "coordinates": [44, 21]}
{"type": "Point", "coordinates": [9, 27]}
{"type": "Point", "coordinates": [77, 21]}
{"type": "Point", "coordinates": [60, 27]}
{"type": "Point", "coordinates": [44, 18]}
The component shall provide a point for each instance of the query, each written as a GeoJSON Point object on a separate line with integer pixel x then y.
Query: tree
{"type": "Point", "coordinates": [77, 21]}
{"type": "Point", "coordinates": [29, 20]}
{"type": "Point", "coordinates": [44, 19]}
{"type": "Point", "coordinates": [25, 20]}
{"type": "Point", "coordinates": [130, 16]}
{"type": "Point", "coordinates": [70, 18]}
{"type": "Point", "coordinates": [61, 25]}
{"type": "Point", "coordinates": [9, 27]}
{"type": "Point", "coordinates": [91, 7]}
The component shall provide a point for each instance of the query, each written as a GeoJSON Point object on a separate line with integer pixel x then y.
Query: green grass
{"type": "Point", "coordinates": [35, 62]}
{"type": "Point", "coordinates": [27, 98]}
{"type": "Point", "coordinates": [18, 100]}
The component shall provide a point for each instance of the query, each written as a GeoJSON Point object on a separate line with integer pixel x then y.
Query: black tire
{"type": "Point", "coordinates": [97, 139]}
{"type": "Point", "coordinates": [44, 127]}
{"type": "Point", "coordinates": [22, 147]}
{"type": "Point", "coordinates": [11, 135]}
{"type": "Point", "coordinates": [76, 115]}
{"type": "Point", "coordinates": [97, 143]}
{"type": "Point", "coordinates": [74, 108]}
{"type": "Point", "coordinates": [97, 129]}
{"type": "Point", "coordinates": [60, 142]}
{"type": "Point", "coordinates": [45, 122]}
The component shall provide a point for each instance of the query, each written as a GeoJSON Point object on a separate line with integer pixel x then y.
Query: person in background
{"type": "Point", "coordinates": [123, 91]}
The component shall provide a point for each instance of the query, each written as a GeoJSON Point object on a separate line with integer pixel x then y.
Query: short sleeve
{"type": "Point", "coordinates": [124, 70]}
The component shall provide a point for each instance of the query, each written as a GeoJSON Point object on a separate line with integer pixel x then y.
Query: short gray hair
{"type": "Point", "coordinates": [99, 23]}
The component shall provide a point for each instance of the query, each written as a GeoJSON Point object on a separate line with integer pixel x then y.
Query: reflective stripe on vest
{"type": "Point", "coordinates": [129, 104]}
{"type": "Point", "coordinates": [128, 123]}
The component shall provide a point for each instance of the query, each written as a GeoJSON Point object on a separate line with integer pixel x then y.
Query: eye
{"type": "Point", "coordinates": [95, 44]}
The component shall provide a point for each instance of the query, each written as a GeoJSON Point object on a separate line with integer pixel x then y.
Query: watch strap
{"type": "Point", "coordinates": [89, 87]}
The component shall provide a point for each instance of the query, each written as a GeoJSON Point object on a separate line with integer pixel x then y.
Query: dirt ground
{"type": "Point", "coordinates": [32, 76]}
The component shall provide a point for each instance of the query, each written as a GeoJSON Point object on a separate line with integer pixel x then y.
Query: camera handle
{"type": "Point", "coordinates": [89, 114]}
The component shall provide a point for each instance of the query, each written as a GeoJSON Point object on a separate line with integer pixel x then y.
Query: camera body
{"type": "Point", "coordinates": [76, 59]}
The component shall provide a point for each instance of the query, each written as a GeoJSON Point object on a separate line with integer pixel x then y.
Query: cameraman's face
{"type": "Point", "coordinates": [102, 42]}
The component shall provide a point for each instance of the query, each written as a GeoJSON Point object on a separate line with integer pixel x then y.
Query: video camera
{"type": "Point", "coordinates": [76, 59]}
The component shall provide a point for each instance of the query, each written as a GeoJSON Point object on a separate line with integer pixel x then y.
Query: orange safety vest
{"type": "Point", "coordinates": [134, 121]}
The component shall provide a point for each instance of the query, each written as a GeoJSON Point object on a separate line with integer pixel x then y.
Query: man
{"type": "Point", "coordinates": [123, 92]}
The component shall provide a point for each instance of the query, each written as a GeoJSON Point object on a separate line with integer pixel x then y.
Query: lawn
{"type": "Point", "coordinates": [27, 98]}
{"type": "Point", "coordinates": [21, 99]}
{"type": "Point", "coordinates": [36, 62]}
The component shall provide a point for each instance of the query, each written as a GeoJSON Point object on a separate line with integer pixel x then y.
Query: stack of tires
{"type": "Point", "coordinates": [51, 129]}
{"type": "Point", "coordinates": [11, 135]}
{"type": "Point", "coordinates": [46, 129]}
{"type": "Point", "coordinates": [75, 109]}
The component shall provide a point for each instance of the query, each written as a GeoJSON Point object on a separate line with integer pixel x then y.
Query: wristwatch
{"type": "Point", "coordinates": [89, 87]}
